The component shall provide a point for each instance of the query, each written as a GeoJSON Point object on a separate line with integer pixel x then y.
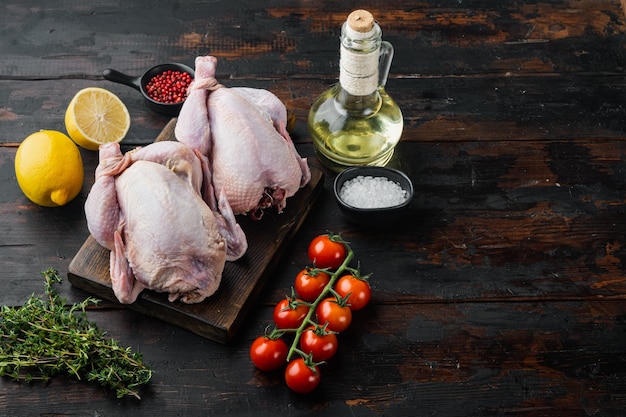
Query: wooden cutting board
{"type": "Point", "coordinates": [218, 317]}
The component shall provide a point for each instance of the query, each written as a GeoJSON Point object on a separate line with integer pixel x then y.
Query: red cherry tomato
{"type": "Point", "coordinates": [326, 251]}
{"type": "Point", "coordinates": [289, 313]}
{"type": "Point", "coordinates": [300, 377]}
{"type": "Point", "coordinates": [357, 291]}
{"type": "Point", "coordinates": [319, 343]}
{"type": "Point", "coordinates": [310, 283]}
{"type": "Point", "coordinates": [268, 354]}
{"type": "Point", "coordinates": [335, 313]}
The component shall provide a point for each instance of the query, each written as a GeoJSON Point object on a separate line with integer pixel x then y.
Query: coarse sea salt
{"type": "Point", "coordinates": [365, 191]}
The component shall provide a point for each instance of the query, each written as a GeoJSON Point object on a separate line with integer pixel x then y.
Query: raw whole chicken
{"type": "Point", "coordinates": [243, 133]}
{"type": "Point", "coordinates": [146, 207]}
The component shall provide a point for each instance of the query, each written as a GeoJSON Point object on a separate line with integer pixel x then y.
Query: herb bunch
{"type": "Point", "coordinates": [46, 337]}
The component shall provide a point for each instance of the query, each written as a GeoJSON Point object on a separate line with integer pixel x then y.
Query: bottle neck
{"type": "Point", "coordinates": [359, 61]}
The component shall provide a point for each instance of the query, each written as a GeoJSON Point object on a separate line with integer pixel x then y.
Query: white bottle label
{"type": "Point", "coordinates": [358, 71]}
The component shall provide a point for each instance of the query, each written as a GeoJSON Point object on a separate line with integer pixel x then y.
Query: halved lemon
{"type": "Point", "coordinates": [96, 116]}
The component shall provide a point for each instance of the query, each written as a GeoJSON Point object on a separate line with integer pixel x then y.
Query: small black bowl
{"type": "Point", "coordinates": [140, 83]}
{"type": "Point", "coordinates": [373, 217]}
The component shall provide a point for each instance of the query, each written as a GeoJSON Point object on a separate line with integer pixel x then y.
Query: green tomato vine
{"type": "Point", "coordinates": [325, 293]}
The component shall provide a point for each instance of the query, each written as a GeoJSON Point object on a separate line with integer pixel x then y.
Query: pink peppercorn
{"type": "Point", "coordinates": [169, 87]}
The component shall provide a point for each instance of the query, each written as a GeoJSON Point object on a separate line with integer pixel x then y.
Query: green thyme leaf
{"type": "Point", "coordinates": [45, 337]}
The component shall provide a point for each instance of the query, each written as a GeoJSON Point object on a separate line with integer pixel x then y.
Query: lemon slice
{"type": "Point", "coordinates": [96, 116]}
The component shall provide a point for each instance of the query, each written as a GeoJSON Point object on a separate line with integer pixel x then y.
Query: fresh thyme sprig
{"type": "Point", "coordinates": [46, 337]}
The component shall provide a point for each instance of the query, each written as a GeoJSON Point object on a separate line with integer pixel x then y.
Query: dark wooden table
{"type": "Point", "coordinates": [504, 292]}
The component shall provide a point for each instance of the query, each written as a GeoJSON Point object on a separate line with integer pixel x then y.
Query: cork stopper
{"type": "Point", "coordinates": [361, 21]}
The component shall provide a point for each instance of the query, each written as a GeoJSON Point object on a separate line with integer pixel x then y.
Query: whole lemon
{"type": "Point", "coordinates": [49, 168]}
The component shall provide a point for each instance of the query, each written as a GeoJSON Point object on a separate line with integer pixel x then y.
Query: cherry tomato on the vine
{"type": "Point", "coordinates": [310, 283]}
{"type": "Point", "coordinates": [358, 289]}
{"type": "Point", "coordinates": [290, 313]}
{"type": "Point", "coordinates": [326, 252]}
{"type": "Point", "coordinates": [301, 377]}
{"type": "Point", "coordinates": [319, 343]}
{"type": "Point", "coordinates": [268, 354]}
{"type": "Point", "coordinates": [334, 312]}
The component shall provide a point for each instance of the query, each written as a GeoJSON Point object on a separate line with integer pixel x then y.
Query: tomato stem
{"type": "Point", "coordinates": [356, 272]}
{"type": "Point", "coordinates": [308, 359]}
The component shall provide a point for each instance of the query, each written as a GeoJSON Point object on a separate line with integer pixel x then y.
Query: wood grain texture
{"type": "Point", "coordinates": [474, 359]}
{"type": "Point", "coordinates": [503, 293]}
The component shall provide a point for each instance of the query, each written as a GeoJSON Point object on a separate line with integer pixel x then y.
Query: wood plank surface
{"type": "Point", "coordinates": [219, 316]}
{"type": "Point", "coordinates": [504, 293]}
{"type": "Point", "coordinates": [460, 359]}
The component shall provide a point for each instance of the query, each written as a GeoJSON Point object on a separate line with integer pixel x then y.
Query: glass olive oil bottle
{"type": "Point", "coordinates": [356, 122]}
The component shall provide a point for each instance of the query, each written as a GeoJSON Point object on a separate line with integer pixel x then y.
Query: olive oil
{"type": "Point", "coordinates": [346, 137]}
{"type": "Point", "coordinates": [356, 122]}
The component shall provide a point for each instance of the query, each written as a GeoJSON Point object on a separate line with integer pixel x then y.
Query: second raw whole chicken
{"type": "Point", "coordinates": [243, 133]}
